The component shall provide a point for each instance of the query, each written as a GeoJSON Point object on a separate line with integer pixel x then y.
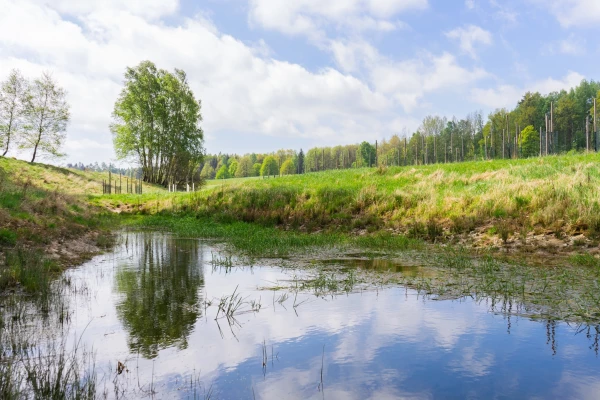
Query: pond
{"type": "Point", "coordinates": [172, 318]}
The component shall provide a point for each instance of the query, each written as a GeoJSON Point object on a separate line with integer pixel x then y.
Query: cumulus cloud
{"type": "Point", "coordinates": [469, 36]}
{"type": "Point", "coordinates": [309, 17]}
{"type": "Point", "coordinates": [405, 81]}
{"type": "Point", "coordinates": [571, 13]}
{"type": "Point", "coordinates": [242, 87]}
{"type": "Point", "coordinates": [146, 8]}
{"type": "Point", "coordinates": [408, 81]}
{"type": "Point", "coordinates": [241, 90]}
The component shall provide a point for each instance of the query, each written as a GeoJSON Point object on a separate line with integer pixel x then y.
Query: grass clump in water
{"type": "Point", "coordinates": [263, 241]}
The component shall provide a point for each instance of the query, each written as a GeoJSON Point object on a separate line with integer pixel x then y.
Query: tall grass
{"type": "Point", "coordinates": [558, 193]}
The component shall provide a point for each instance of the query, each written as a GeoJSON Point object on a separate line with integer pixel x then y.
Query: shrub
{"type": "Point", "coordinates": [8, 237]}
{"type": "Point", "coordinates": [504, 229]}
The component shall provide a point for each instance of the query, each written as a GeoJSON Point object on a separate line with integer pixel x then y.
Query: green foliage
{"type": "Point", "coordinates": [300, 162]}
{"type": "Point", "coordinates": [367, 154]}
{"type": "Point", "coordinates": [46, 118]}
{"type": "Point", "coordinates": [208, 172]}
{"type": "Point", "coordinates": [156, 122]}
{"type": "Point", "coordinates": [160, 303]}
{"type": "Point", "coordinates": [288, 168]}
{"type": "Point", "coordinates": [269, 167]}
{"type": "Point", "coordinates": [7, 237]}
{"type": "Point", "coordinates": [244, 168]}
{"type": "Point", "coordinates": [256, 169]}
{"type": "Point", "coordinates": [233, 166]}
{"type": "Point", "coordinates": [530, 142]}
{"type": "Point", "coordinates": [13, 93]}
{"type": "Point", "coordinates": [223, 173]}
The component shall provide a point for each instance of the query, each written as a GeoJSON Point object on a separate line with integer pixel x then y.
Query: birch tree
{"type": "Point", "coordinates": [12, 92]}
{"type": "Point", "coordinates": [47, 115]}
{"type": "Point", "coordinates": [156, 122]}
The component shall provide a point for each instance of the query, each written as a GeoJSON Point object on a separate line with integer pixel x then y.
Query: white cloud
{"type": "Point", "coordinates": [242, 90]}
{"type": "Point", "coordinates": [572, 45]}
{"type": "Point", "coordinates": [408, 81]}
{"type": "Point", "coordinates": [509, 95]}
{"type": "Point", "coordinates": [470, 4]}
{"type": "Point", "coordinates": [469, 36]}
{"type": "Point", "coordinates": [504, 13]}
{"type": "Point", "coordinates": [571, 13]}
{"type": "Point", "coordinates": [308, 17]}
{"type": "Point", "coordinates": [145, 8]}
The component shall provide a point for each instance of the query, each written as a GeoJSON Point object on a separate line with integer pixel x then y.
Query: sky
{"type": "Point", "coordinates": [296, 74]}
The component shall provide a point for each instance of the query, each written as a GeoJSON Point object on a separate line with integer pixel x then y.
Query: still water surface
{"type": "Point", "coordinates": [151, 305]}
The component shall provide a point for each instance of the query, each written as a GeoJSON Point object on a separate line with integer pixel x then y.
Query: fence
{"type": "Point", "coordinates": [132, 186]}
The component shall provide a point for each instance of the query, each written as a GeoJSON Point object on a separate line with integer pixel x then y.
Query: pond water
{"type": "Point", "coordinates": [152, 305]}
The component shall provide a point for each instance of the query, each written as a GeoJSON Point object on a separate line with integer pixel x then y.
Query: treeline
{"type": "Point", "coordinates": [33, 115]}
{"type": "Point", "coordinates": [103, 167]}
{"type": "Point", "coordinates": [538, 125]}
{"type": "Point", "coordinates": [224, 166]}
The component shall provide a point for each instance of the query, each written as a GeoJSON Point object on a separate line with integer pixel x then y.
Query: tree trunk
{"type": "Point", "coordinates": [7, 144]}
{"type": "Point", "coordinates": [35, 151]}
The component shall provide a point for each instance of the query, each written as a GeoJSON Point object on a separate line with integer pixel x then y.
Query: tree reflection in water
{"type": "Point", "coordinates": [160, 286]}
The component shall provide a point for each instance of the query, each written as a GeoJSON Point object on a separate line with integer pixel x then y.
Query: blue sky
{"type": "Point", "coordinates": [288, 74]}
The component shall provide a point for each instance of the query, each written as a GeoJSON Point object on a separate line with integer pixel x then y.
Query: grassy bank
{"type": "Point", "coordinates": [539, 203]}
{"type": "Point", "coordinates": [534, 205]}
{"type": "Point", "coordinates": [46, 222]}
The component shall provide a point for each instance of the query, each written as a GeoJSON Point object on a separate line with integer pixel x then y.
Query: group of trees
{"type": "Point", "coordinates": [156, 123]}
{"type": "Point", "coordinates": [224, 166]}
{"type": "Point", "coordinates": [538, 125]}
{"type": "Point", "coordinates": [33, 115]}
{"type": "Point", "coordinates": [103, 167]}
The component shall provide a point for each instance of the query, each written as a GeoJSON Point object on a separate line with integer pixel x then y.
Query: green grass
{"type": "Point", "coordinates": [43, 206]}
{"type": "Point", "coordinates": [64, 180]}
{"type": "Point", "coordinates": [560, 194]}
{"type": "Point", "coordinates": [260, 241]}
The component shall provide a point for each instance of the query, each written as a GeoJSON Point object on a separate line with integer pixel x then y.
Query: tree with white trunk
{"type": "Point", "coordinates": [47, 115]}
{"type": "Point", "coordinates": [12, 93]}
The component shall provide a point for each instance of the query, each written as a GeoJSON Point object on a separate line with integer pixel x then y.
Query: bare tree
{"type": "Point", "coordinates": [11, 109]}
{"type": "Point", "coordinates": [47, 116]}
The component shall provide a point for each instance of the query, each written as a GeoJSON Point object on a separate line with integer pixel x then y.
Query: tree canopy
{"type": "Point", "coordinates": [288, 167]}
{"type": "Point", "coordinates": [13, 94]}
{"type": "Point", "coordinates": [269, 167]}
{"type": "Point", "coordinates": [530, 141]}
{"type": "Point", "coordinates": [156, 121]}
{"type": "Point", "coordinates": [46, 117]}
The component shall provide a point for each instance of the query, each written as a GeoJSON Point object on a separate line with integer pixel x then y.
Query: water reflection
{"type": "Point", "coordinates": [151, 296]}
{"type": "Point", "coordinates": [375, 264]}
{"type": "Point", "coordinates": [160, 291]}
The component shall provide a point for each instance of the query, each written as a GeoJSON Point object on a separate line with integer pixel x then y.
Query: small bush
{"type": "Point", "coordinates": [416, 230]}
{"type": "Point", "coordinates": [434, 229]}
{"type": "Point", "coordinates": [463, 224]}
{"type": "Point", "coordinates": [8, 237]}
{"type": "Point", "coordinates": [504, 230]}
{"type": "Point", "coordinates": [593, 230]}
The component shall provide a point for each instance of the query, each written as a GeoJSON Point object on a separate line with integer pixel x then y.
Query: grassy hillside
{"type": "Point", "coordinates": [46, 220]}
{"type": "Point", "coordinates": [508, 201]}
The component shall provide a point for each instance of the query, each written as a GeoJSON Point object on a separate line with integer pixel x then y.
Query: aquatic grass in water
{"type": "Point", "coordinates": [259, 241]}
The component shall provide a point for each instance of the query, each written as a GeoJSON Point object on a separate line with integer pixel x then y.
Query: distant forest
{"type": "Point", "coordinates": [565, 119]}
{"type": "Point", "coordinates": [556, 123]}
